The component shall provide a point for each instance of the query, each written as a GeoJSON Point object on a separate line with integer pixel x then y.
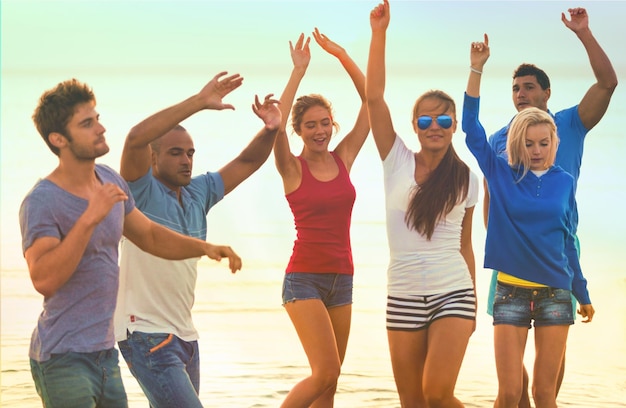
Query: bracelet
{"type": "Point", "coordinates": [475, 70]}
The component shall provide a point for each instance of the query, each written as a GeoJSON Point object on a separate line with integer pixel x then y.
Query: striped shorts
{"type": "Point", "coordinates": [418, 312]}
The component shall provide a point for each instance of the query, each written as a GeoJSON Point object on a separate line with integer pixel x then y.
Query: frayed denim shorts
{"type": "Point", "coordinates": [333, 289]}
{"type": "Point", "coordinates": [519, 306]}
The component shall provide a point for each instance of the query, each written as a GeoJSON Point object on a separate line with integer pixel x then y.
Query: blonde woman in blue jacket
{"type": "Point", "coordinates": [530, 241]}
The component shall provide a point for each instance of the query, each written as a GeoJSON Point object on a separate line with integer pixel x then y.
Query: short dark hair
{"type": "Point", "coordinates": [531, 69]}
{"type": "Point", "coordinates": [57, 107]}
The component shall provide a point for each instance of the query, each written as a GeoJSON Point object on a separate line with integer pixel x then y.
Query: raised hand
{"type": "Point", "coordinates": [380, 16]}
{"type": "Point", "coordinates": [102, 199]}
{"type": "Point", "coordinates": [300, 53]}
{"type": "Point", "coordinates": [268, 111]}
{"type": "Point", "coordinates": [579, 19]}
{"type": "Point", "coordinates": [327, 45]}
{"type": "Point", "coordinates": [217, 89]}
{"type": "Point", "coordinates": [479, 53]}
{"type": "Point", "coordinates": [217, 252]}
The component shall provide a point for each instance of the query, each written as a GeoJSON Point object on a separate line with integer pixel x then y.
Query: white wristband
{"type": "Point", "coordinates": [475, 70]}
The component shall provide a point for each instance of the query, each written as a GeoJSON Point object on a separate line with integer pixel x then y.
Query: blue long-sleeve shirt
{"type": "Point", "coordinates": [530, 231]}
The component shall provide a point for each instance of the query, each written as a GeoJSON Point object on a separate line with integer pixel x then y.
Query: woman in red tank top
{"type": "Point", "coordinates": [317, 290]}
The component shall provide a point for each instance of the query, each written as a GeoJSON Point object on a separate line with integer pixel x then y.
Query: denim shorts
{"type": "Point", "coordinates": [494, 280]}
{"type": "Point", "coordinates": [333, 289]}
{"type": "Point", "coordinates": [79, 380]}
{"type": "Point", "coordinates": [519, 306]}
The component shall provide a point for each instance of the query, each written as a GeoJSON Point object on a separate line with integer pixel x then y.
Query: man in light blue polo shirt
{"type": "Point", "coordinates": [531, 88]}
{"type": "Point", "coordinates": [153, 322]}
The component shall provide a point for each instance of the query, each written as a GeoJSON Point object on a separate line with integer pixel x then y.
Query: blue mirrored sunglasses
{"type": "Point", "coordinates": [424, 122]}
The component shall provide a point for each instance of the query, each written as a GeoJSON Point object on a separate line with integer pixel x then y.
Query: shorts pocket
{"type": "Point", "coordinates": [504, 295]}
{"type": "Point", "coordinates": [561, 296]}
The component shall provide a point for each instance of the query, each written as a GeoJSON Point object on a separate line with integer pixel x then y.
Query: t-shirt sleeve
{"type": "Point", "coordinates": [571, 118]}
{"type": "Point", "coordinates": [140, 188]}
{"type": "Point", "coordinates": [129, 204]}
{"type": "Point", "coordinates": [472, 192]}
{"type": "Point", "coordinates": [397, 158]}
{"type": "Point", "coordinates": [36, 220]}
{"type": "Point", "coordinates": [210, 186]}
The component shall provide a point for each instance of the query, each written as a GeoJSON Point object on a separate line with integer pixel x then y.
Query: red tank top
{"type": "Point", "coordinates": [322, 211]}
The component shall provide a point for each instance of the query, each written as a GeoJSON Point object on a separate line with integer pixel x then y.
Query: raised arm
{"type": "Point", "coordinates": [286, 162]}
{"type": "Point", "coordinates": [475, 136]}
{"type": "Point", "coordinates": [168, 244]}
{"type": "Point", "coordinates": [136, 160]}
{"type": "Point", "coordinates": [378, 111]}
{"type": "Point", "coordinates": [351, 144]}
{"type": "Point", "coordinates": [596, 101]}
{"type": "Point", "coordinates": [479, 54]}
{"type": "Point", "coordinates": [258, 150]}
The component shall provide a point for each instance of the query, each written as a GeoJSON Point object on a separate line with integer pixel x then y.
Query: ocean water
{"type": "Point", "coordinates": [250, 354]}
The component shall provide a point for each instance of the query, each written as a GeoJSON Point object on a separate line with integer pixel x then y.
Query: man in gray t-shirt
{"type": "Point", "coordinates": [71, 224]}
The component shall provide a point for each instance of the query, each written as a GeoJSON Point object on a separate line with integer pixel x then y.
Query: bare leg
{"type": "Point", "coordinates": [559, 380]}
{"type": "Point", "coordinates": [549, 350]}
{"type": "Point", "coordinates": [340, 318]}
{"type": "Point", "coordinates": [426, 363]}
{"type": "Point", "coordinates": [524, 402]}
{"type": "Point", "coordinates": [315, 330]}
{"type": "Point", "coordinates": [509, 346]}
{"type": "Point", "coordinates": [447, 342]}
{"type": "Point", "coordinates": [408, 355]}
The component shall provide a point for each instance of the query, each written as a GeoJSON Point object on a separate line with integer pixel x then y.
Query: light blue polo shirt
{"type": "Point", "coordinates": [161, 205]}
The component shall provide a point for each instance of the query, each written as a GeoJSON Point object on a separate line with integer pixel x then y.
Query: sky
{"type": "Point", "coordinates": [124, 34]}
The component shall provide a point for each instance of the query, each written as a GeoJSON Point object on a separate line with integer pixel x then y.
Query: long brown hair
{"type": "Point", "coordinates": [446, 186]}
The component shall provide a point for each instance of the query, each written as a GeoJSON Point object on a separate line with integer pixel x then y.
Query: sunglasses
{"type": "Point", "coordinates": [424, 122]}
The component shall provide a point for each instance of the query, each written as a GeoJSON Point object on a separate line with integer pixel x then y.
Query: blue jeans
{"type": "Point", "coordinates": [166, 367]}
{"type": "Point", "coordinates": [80, 380]}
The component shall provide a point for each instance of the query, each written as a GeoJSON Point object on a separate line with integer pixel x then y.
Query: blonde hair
{"type": "Point", "coordinates": [516, 138]}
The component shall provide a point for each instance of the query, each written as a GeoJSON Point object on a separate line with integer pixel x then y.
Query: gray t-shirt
{"type": "Point", "coordinates": [79, 316]}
